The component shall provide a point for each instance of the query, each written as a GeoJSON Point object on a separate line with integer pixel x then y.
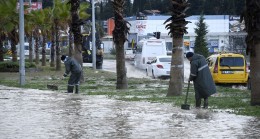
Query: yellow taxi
{"type": "Point", "coordinates": [228, 68]}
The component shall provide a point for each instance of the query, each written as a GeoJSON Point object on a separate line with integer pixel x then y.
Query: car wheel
{"type": "Point", "coordinates": [153, 75]}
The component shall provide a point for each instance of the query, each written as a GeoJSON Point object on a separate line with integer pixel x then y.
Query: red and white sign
{"type": "Point", "coordinates": [141, 27]}
{"type": "Point", "coordinates": [34, 6]}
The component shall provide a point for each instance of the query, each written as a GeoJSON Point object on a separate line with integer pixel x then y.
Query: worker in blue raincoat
{"type": "Point", "coordinates": [204, 85]}
{"type": "Point", "coordinates": [72, 66]}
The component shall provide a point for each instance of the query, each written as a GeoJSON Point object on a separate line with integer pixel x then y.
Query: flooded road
{"type": "Point", "coordinates": [36, 114]}
{"type": "Point", "coordinates": [132, 71]}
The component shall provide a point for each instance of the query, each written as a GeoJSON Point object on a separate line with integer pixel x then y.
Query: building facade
{"type": "Point", "coordinates": [225, 32]}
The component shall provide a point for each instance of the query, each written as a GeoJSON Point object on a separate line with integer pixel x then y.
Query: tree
{"type": "Point", "coordinates": [45, 26]}
{"type": "Point", "coordinates": [37, 20]}
{"type": "Point", "coordinates": [6, 25]}
{"type": "Point", "coordinates": [138, 6]}
{"type": "Point", "coordinates": [75, 28]}
{"type": "Point", "coordinates": [59, 16]}
{"type": "Point", "coordinates": [9, 25]}
{"type": "Point", "coordinates": [2, 37]}
{"type": "Point", "coordinates": [29, 27]}
{"type": "Point", "coordinates": [176, 24]}
{"type": "Point", "coordinates": [213, 7]}
{"type": "Point", "coordinates": [60, 13]}
{"type": "Point", "coordinates": [251, 16]}
{"type": "Point", "coordinates": [128, 8]}
{"type": "Point", "coordinates": [165, 6]}
{"type": "Point", "coordinates": [197, 6]}
{"type": "Point", "coordinates": [106, 14]}
{"type": "Point", "coordinates": [200, 40]}
{"type": "Point", "coordinates": [119, 37]}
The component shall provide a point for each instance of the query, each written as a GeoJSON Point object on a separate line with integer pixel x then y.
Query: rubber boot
{"type": "Point", "coordinates": [198, 103]}
{"type": "Point", "coordinates": [77, 89]}
{"type": "Point", "coordinates": [70, 89]}
{"type": "Point", "coordinates": [205, 106]}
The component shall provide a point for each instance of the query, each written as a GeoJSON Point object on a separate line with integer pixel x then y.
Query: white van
{"type": "Point", "coordinates": [26, 49]}
{"type": "Point", "coordinates": [147, 50]}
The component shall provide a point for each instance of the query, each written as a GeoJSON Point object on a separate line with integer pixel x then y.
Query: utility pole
{"type": "Point", "coordinates": [21, 41]}
{"type": "Point", "coordinates": [93, 37]}
{"type": "Point", "coordinates": [30, 4]}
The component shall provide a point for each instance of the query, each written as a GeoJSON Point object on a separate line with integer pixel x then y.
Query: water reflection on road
{"type": "Point", "coordinates": [32, 114]}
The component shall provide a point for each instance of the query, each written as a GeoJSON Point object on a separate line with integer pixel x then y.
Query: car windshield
{"type": "Point", "coordinates": [232, 61]}
{"type": "Point", "coordinates": [165, 59]}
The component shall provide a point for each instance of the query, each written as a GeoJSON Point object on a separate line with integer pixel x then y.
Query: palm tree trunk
{"type": "Point", "coordinates": [75, 29]}
{"type": "Point", "coordinates": [255, 80]}
{"type": "Point", "coordinates": [1, 50]}
{"type": "Point", "coordinates": [14, 41]}
{"type": "Point", "coordinates": [71, 50]}
{"type": "Point", "coordinates": [120, 67]}
{"type": "Point", "coordinates": [251, 17]}
{"type": "Point", "coordinates": [119, 36]}
{"type": "Point", "coordinates": [52, 64]}
{"type": "Point", "coordinates": [57, 37]}
{"type": "Point", "coordinates": [176, 23]}
{"type": "Point", "coordinates": [37, 56]}
{"type": "Point", "coordinates": [44, 50]}
{"type": "Point", "coordinates": [14, 52]}
{"type": "Point", "coordinates": [30, 48]}
{"type": "Point", "coordinates": [177, 69]}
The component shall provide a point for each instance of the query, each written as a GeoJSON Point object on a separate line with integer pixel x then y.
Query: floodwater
{"type": "Point", "coordinates": [132, 71]}
{"type": "Point", "coordinates": [37, 114]}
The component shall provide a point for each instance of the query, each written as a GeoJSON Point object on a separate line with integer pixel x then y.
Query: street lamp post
{"type": "Point", "coordinates": [93, 37]}
{"type": "Point", "coordinates": [21, 41]}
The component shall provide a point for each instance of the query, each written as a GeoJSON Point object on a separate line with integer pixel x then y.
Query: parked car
{"type": "Point", "coordinates": [129, 54]}
{"type": "Point", "coordinates": [228, 68]}
{"type": "Point", "coordinates": [159, 67]}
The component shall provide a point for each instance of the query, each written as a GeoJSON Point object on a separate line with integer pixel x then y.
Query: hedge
{"type": "Point", "coordinates": [8, 66]}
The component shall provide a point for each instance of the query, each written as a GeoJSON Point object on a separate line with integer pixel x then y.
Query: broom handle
{"type": "Point", "coordinates": [187, 92]}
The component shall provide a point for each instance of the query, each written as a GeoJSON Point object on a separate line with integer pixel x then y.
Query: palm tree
{"type": "Point", "coordinates": [37, 21]}
{"type": "Point", "coordinates": [251, 17]}
{"type": "Point", "coordinates": [44, 26]}
{"type": "Point", "coordinates": [75, 29]}
{"type": "Point", "coordinates": [78, 14]}
{"type": "Point", "coordinates": [119, 37]}
{"type": "Point", "coordinates": [176, 23]}
{"type": "Point", "coordinates": [4, 28]}
{"type": "Point", "coordinates": [2, 37]}
{"type": "Point", "coordinates": [52, 55]}
{"type": "Point", "coordinates": [58, 15]}
{"type": "Point", "coordinates": [9, 24]}
{"type": "Point", "coordinates": [29, 27]}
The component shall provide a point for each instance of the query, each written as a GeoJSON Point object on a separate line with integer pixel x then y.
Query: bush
{"type": "Point", "coordinates": [8, 66]}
